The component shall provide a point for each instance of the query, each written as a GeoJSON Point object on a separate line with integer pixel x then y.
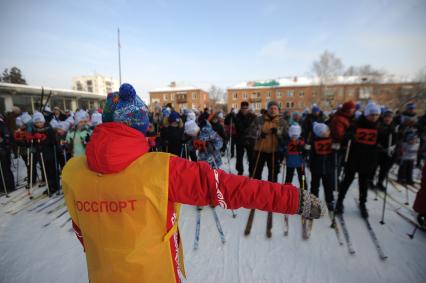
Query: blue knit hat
{"type": "Point", "coordinates": [174, 117]}
{"type": "Point", "coordinates": [315, 109]}
{"type": "Point", "coordinates": [126, 107]}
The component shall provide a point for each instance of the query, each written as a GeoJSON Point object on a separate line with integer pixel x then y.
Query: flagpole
{"type": "Point", "coordinates": [119, 55]}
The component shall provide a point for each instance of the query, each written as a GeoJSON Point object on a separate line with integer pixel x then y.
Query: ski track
{"type": "Point", "coordinates": [30, 253]}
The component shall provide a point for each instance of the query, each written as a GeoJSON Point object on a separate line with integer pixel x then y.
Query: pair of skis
{"type": "Point", "coordinates": [198, 226]}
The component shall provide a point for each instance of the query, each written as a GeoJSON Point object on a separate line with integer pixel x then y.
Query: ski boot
{"type": "Point", "coordinates": [363, 210]}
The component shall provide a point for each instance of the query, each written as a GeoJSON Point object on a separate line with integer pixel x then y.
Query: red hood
{"type": "Point", "coordinates": [114, 146]}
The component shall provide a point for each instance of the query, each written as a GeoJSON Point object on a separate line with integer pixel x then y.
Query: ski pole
{"type": "Point", "coordinates": [347, 151]}
{"type": "Point", "coordinates": [387, 180]}
{"type": "Point", "coordinates": [31, 157]}
{"type": "Point", "coordinates": [55, 159]}
{"type": "Point", "coordinates": [44, 171]}
{"type": "Point", "coordinates": [413, 233]}
{"type": "Point", "coordinates": [2, 178]}
{"type": "Point", "coordinates": [18, 153]}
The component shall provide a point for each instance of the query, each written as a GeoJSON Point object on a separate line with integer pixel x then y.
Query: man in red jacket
{"type": "Point", "coordinates": [127, 217]}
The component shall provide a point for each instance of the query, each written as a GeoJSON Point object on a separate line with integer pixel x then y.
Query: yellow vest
{"type": "Point", "coordinates": [123, 220]}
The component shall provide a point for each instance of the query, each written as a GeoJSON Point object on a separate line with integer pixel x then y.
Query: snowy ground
{"type": "Point", "coordinates": [30, 252]}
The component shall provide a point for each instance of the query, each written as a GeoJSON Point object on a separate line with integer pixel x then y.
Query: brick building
{"type": "Point", "coordinates": [299, 93]}
{"type": "Point", "coordinates": [181, 97]}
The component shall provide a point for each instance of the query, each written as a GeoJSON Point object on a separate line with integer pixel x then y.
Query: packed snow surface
{"type": "Point", "coordinates": [35, 246]}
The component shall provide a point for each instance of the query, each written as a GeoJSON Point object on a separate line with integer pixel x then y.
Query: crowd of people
{"type": "Point", "coordinates": [120, 150]}
{"type": "Point", "coordinates": [333, 145]}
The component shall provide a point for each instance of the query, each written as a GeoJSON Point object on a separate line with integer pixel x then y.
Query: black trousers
{"type": "Point", "coordinates": [327, 182]}
{"type": "Point", "coordinates": [248, 148]}
{"type": "Point", "coordinates": [289, 176]}
{"type": "Point", "coordinates": [405, 172]}
{"type": "Point", "coordinates": [385, 164]}
{"type": "Point", "coordinates": [363, 179]}
{"type": "Point", "coordinates": [9, 180]}
{"type": "Point", "coordinates": [271, 160]}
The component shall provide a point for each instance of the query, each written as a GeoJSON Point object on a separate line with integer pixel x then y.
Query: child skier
{"type": "Point", "coordinates": [322, 163]}
{"type": "Point", "coordinates": [78, 137]}
{"type": "Point", "coordinates": [127, 218]}
{"type": "Point", "coordinates": [409, 149]}
{"type": "Point", "coordinates": [43, 138]}
{"type": "Point", "coordinates": [295, 155]}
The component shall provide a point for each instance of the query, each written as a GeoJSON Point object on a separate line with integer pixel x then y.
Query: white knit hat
{"type": "Point", "coordinates": [320, 129]}
{"type": "Point", "coordinates": [295, 131]}
{"type": "Point", "coordinates": [38, 117]}
{"type": "Point", "coordinates": [190, 116]}
{"type": "Point", "coordinates": [54, 124]}
{"type": "Point", "coordinates": [191, 128]}
{"type": "Point", "coordinates": [70, 120]}
{"type": "Point", "coordinates": [64, 125]}
{"type": "Point", "coordinates": [26, 118]}
{"type": "Point", "coordinates": [371, 108]}
{"type": "Point", "coordinates": [80, 116]}
{"type": "Point", "coordinates": [19, 122]}
{"type": "Point", "coordinates": [96, 119]}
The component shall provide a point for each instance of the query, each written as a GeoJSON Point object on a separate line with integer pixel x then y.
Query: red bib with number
{"type": "Point", "coordinates": [322, 147]}
{"type": "Point", "coordinates": [366, 136]}
{"type": "Point", "coordinates": [293, 147]}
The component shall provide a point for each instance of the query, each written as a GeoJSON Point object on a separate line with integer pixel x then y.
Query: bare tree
{"type": "Point", "coordinates": [216, 94]}
{"type": "Point", "coordinates": [327, 69]}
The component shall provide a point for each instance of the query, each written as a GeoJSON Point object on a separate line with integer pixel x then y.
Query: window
{"type": "Point", "coordinates": [280, 104]}
{"type": "Point", "coordinates": [290, 104]}
{"type": "Point", "coordinates": [245, 96]}
{"type": "Point", "coordinates": [23, 101]}
{"type": "Point", "coordinates": [165, 96]}
{"type": "Point", "coordinates": [301, 104]}
{"type": "Point", "coordinates": [68, 104]}
{"type": "Point", "coordinates": [258, 106]}
{"type": "Point", "coordinates": [278, 94]}
{"type": "Point", "coordinates": [301, 93]}
{"type": "Point", "coordinates": [351, 92]}
{"type": "Point", "coordinates": [290, 93]}
{"type": "Point", "coordinates": [79, 86]}
{"type": "Point", "coordinates": [56, 101]}
{"type": "Point", "coordinates": [194, 95]}
{"type": "Point", "coordinates": [255, 95]}
{"type": "Point", "coordinates": [268, 94]}
{"type": "Point", "coordinates": [341, 92]}
{"type": "Point", "coordinates": [234, 95]}
{"type": "Point", "coordinates": [108, 87]}
{"type": "Point", "coordinates": [89, 84]}
{"type": "Point", "coordinates": [365, 92]}
{"type": "Point", "coordinates": [234, 105]}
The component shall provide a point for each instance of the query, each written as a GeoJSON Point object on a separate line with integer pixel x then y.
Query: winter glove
{"type": "Point", "coordinates": [262, 135]}
{"type": "Point", "coordinates": [274, 131]}
{"type": "Point", "coordinates": [310, 206]}
{"type": "Point", "coordinates": [335, 146]}
{"type": "Point", "coordinates": [307, 147]}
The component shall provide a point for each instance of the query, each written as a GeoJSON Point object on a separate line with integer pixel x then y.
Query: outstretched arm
{"type": "Point", "coordinates": [196, 183]}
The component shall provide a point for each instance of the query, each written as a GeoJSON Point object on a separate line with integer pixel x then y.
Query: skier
{"type": "Point", "coordinates": [127, 218]}
{"type": "Point", "coordinates": [229, 125]}
{"type": "Point", "coordinates": [5, 151]}
{"type": "Point", "coordinates": [387, 141]}
{"type": "Point", "coordinates": [295, 155]}
{"type": "Point", "coordinates": [173, 134]}
{"type": "Point", "coordinates": [409, 149]}
{"type": "Point", "coordinates": [362, 157]}
{"type": "Point", "coordinates": [322, 163]}
{"type": "Point", "coordinates": [245, 137]}
{"type": "Point", "coordinates": [43, 139]}
{"type": "Point", "coordinates": [79, 135]}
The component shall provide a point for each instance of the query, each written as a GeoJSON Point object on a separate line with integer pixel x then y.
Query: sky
{"type": "Point", "coordinates": [201, 43]}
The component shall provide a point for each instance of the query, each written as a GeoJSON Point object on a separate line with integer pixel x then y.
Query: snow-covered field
{"type": "Point", "coordinates": [30, 251]}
